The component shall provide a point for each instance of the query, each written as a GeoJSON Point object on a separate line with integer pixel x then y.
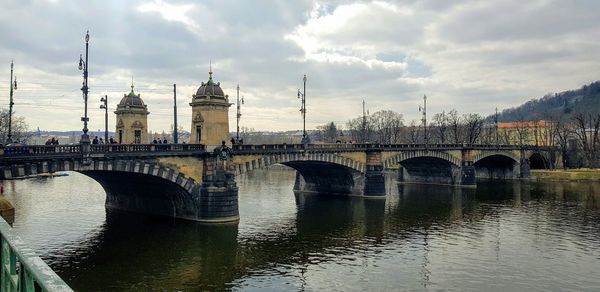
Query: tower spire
{"type": "Point", "coordinates": [132, 84]}
{"type": "Point", "coordinates": [210, 70]}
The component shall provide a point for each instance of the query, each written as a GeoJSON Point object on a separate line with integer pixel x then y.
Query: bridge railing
{"type": "Point", "coordinates": [246, 147]}
{"type": "Point", "coordinates": [364, 146]}
{"type": "Point", "coordinates": [29, 150]}
{"type": "Point", "coordinates": [127, 148]}
{"type": "Point", "coordinates": [22, 269]}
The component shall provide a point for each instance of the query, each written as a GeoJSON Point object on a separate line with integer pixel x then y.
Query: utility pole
{"type": "Point", "coordinates": [424, 119]}
{"type": "Point", "coordinates": [364, 124]}
{"type": "Point", "coordinates": [175, 134]}
{"type": "Point", "coordinates": [303, 111]}
{"type": "Point", "coordinates": [104, 106]}
{"type": "Point", "coordinates": [13, 86]}
{"type": "Point", "coordinates": [496, 125]}
{"type": "Point", "coordinates": [239, 114]}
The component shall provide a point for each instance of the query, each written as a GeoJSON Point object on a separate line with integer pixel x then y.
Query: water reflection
{"type": "Point", "coordinates": [499, 236]}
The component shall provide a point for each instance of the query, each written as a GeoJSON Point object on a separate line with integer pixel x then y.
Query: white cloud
{"type": "Point", "coordinates": [170, 12]}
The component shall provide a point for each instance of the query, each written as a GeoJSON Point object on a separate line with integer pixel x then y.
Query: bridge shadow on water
{"type": "Point", "coordinates": [137, 252]}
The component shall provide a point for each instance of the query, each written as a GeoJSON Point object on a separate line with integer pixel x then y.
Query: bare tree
{"type": "Point", "coordinates": [412, 133]}
{"type": "Point", "coordinates": [521, 129]}
{"type": "Point", "coordinates": [387, 125]}
{"type": "Point", "coordinates": [440, 126]}
{"type": "Point", "coordinates": [455, 126]}
{"type": "Point", "coordinates": [564, 132]}
{"type": "Point", "coordinates": [359, 129]}
{"type": "Point", "coordinates": [19, 128]}
{"type": "Point", "coordinates": [472, 124]}
{"type": "Point", "coordinates": [587, 128]}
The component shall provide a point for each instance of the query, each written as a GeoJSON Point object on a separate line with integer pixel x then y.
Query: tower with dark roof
{"type": "Point", "coordinates": [132, 119]}
{"type": "Point", "coordinates": [210, 114]}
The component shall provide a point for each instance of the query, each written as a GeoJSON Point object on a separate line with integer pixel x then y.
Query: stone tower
{"type": "Point", "coordinates": [210, 115]}
{"type": "Point", "coordinates": [132, 120]}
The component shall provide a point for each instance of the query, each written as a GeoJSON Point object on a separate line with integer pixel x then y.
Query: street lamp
{"type": "Point", "coordinates": [83, 65]}
{"type": "Point", "coordinates": [303, 111]}
{"type": "Point", "coordinates": [104, 106]}
{"type": "Point", "coordinates": [424, 120]}
{"type": "Point", "coordinates": [239, 114]}
{"type": "Point", "coordinates": [364, 123]}
{"type": "Point", "coordinates": [13, 86]}
{"type": "Point", "coordinates": [496, 125]}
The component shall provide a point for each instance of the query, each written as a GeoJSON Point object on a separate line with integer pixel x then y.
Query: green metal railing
{"type": "Point", "coordinates": [22, 269]}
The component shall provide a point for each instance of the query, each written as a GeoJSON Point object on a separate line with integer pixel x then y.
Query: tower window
{"type": "Point", "coordinates": [198, 134]}
{"type": "Point", "coordinates": [137, 137]}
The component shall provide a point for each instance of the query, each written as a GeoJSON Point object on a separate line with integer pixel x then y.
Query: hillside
{"type": "Point", "coordinates": [584, 99]}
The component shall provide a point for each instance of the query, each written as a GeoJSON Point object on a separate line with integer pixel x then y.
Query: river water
{"type": "Point", "coordinates": [502, 236]}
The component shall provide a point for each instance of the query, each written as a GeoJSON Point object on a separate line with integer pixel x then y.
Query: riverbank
{"type": "Point", "coordinates": [581, 174]}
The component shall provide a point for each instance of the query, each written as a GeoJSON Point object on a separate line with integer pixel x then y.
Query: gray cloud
{"type": "Point", "coordinates": [472, 56]}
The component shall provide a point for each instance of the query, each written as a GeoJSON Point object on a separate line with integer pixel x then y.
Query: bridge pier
{"type": "Point", "coordinates": [218, 200]}
{"type": "Point", "coordinates": [374, 177]}
{"type": "Point", "coordinates": [467, 174]}
{"type": "Point", "coordinates": [524, 168]}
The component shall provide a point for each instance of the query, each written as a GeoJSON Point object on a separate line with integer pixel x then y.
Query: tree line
{"type": "Point", "coordinates": [389, 127]}
{"type": "Point", "coordinates": [576, 135]}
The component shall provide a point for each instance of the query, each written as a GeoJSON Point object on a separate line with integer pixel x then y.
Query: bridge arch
{"type": "Point", "coordinates": [486, 154]}
{"type": "Point", "coordinates": [243, 165]}
{"type": "Point", "coordinates": [143, 186]}
{"type": "Point", "coordinates": [538, 161]}
{"type": "Point", "coordinates": [397, 159]}
{"type": "Point", "coordinates": [426, 166]}
{"type": "Point", "coordinates": [496, 165]}
{"type": "Point", "coordinates": [321, 172]}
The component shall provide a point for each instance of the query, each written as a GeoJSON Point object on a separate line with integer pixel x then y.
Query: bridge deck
{"type": "Point", "coordinates": [75, 151]}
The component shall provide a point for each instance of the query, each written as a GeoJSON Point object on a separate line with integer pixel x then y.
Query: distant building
{"type": "Point", "coordinates": [132, 120]}
{"type": "Point", "coordinates": [210, 114]}
{"type": "Point", "coordinates": [526, 133]}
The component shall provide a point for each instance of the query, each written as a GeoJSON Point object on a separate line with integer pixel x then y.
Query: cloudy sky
{"type": "Point", "coordinates": [469, 55]}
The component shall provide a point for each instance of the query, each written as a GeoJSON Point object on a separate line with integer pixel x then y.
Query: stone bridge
{"type": "Point", "coordinates": [186, 181]}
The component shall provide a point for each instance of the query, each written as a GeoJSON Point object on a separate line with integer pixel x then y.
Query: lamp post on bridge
{"type": "Point", "coordinates": [424, 120]}
{"type": "Point", "coordinates": [303, 111]}
{"type": "Point", "coordinates": [104, 106]}
{"type": "Point", "coordinates": [364, 123]}
{"type": "Point", "coordinates": [238, 115]}
{"type": "Point", "coordinates": [83, 65]}
{"type": "Point", "coordinates": [496, 125]}
{"type": "Point", "coordinates": [175, 134]}
{"type": "Point", "coordinates": [13, 87]}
